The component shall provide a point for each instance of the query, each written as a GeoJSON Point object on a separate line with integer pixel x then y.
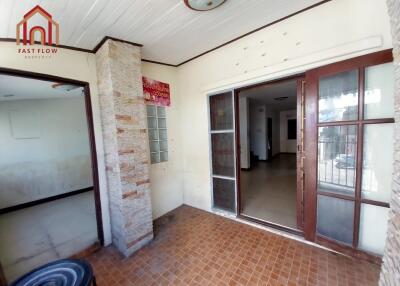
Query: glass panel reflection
{"type": "Point", "coordinates": [163, 156]}
{"type": "Point", "coordinates": [151, 110]}
{"type": "Point", "coordinates": [379, 91]}
{"type": "Point", "coordinates": [154, 146]}
{"type": "Point", "coordinates": [373, 228]}
{"type": "Point", "coordinates": [337, 147]}
{"type": "Point", "coordinates": [377, 162]}
{"type": "Point", "coordinates": [163, 145]}
{"type": "Point", "coordinates": [152, 122]}
{"type": "Point", "coordinates": [153, 134]}
{"type": "Point", "coordinates": [338, 97]}
{"type": "Point", "coordinates": [224, 194]}
{"type": "Point", "coordinates": [222, 154]}
{"type": "Point", "coordinates": [162, 123]}
{"type": "Point", "coordinates": [155, 157]}
{"type": "Point", "coordinates": [160, 111]}
{"type": "Point", "coordinates": [162, 134]}
{"type": "Point", "coordinates": [335, 218]}
{"type": "Point", "coordinates": [221, 111]}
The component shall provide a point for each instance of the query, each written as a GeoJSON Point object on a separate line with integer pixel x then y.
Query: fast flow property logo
{"type": "Point", "coordinates": [48, 34]}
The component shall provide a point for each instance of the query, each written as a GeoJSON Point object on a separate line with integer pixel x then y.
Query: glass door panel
{"type": "Point", "coordinates": [350, 142]}
{"type": "Point", "coordinates": [222, 141]}
{"type": "Point", "coordinates": [377, 162]}
{"type": "Point", "coordinates": [222, 148]}
{"type": "Point", "coordinates": [337, 146]}
{"type": "Point", "coordinates": [338, 97]}
{"type": "Point", "coordinates": [221, 111]}
{"type": "Point", "coordinates": [336, 158]}
{"type": "Point", "coordinates": [379, 91]}
{"type": "Point", "coordinates": [224, 194]}
{"type": "Point", "coordinates": [335, 218]}
{"type": "Point", "coordinates": [373, 227]}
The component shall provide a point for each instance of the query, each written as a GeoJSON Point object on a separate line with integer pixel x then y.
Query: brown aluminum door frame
{"type": "Point", "coordinates": [300, 153]}
{"type": "Point", "coordinates": [311, 148]}
{"type": "Point", "coordinates": [300, 194]}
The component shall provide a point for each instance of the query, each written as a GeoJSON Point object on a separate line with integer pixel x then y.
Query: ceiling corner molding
{"type": "Point", "coordinates": [13, 40]}
{"type": "Point", "coordinates": [98, 46]}
{"type": "Point", "coordinates": [159, 63]}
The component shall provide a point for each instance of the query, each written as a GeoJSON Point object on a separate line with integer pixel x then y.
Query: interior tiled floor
{"type": "Point", "coordinates": [269, 190]}
{"type": "Point", "coordinates": [37, 235]}
{"type": "Point", "coordinates": [193, 247]}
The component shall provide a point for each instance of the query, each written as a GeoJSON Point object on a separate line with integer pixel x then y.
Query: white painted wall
{"type": "Point", "coordinates": [258, 131]}
{"type": "Point", "coordinates": [44, 149]}
{"type": "Point", "coordinates": [244, 132]}
{"type": "Point", "coordinates": [287, 146]}
{"type": "Point", "coordinates": [259, 114]}
{"type": "Point", "coordinates": [275, 130]}
{"type": "Point", "coordinates": [166, 179]}
{"type": "Point", "coordinates": [331, 32]}
{"type": "Point", "coordinates": [73, 65]}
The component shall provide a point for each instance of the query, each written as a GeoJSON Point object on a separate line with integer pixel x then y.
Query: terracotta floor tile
{"type": "Point", "coordinates": [193, 247]}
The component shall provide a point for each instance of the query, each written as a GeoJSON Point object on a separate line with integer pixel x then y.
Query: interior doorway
{"type": "Point", "coordinates": [268, 147]}
{"type": "Point", "coordinates": [49, 193]}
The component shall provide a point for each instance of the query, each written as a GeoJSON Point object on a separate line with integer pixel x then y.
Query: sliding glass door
{"type": "Point", "coordinates": [349, 153]}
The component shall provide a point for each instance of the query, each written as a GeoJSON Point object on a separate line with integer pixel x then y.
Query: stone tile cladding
{"type": "Point", "coordinates": [390, 273]}
{"type": "Point", "coordinates": [123, 115]}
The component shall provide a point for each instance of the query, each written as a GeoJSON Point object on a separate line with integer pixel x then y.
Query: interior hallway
{"type": "Point", "coordinates": [268, 190]}
{"type": "Point", "coordinates": [37, 235]}
{"type": "Point", "coordinates": [194, 247]}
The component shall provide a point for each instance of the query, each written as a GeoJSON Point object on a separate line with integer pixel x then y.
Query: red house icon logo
{"type": "Point", "coordinates": [28, 35]}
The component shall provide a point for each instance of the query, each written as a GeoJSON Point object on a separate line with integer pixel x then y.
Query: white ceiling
{"type": "Point", "coordinates": [169, 31]}
{"type": "Point", "coordinates": [265, 95]}
{"type": "Point", "coordinates": [26, 88]}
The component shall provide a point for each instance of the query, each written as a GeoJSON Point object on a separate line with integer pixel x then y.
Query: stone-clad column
{"type": "Point", "coordinates": [390, 273]}
{"type": "Point", "coordinates": [123, 115]}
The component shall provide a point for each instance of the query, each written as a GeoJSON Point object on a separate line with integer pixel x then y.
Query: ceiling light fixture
{"type": "Point", "coordinates": [203, 5]}
{"type": "Point", "coordinates": [280, 98]}
{"type": "Point", "coordinates": [64, 86]}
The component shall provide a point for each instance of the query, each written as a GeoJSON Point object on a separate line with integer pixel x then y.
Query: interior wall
{"type": "Point", "coordinates": [258, 130]}
{"type": "Point", "coordinates": [73, 65]}
{"type": "Point", "coordinates": [274, 115]}
{"type": "Point", "coordinates": [44, 149]}
{"type": "Point", "coordinates": [244, 132]}
{"type": "Point", "coordinates": [297, 44]}
{"type": "Point", "coordinates": [166, 178]}
{"type": "Point", "coordinates": [259, 114]}
{"type": "Point", "coordinates": [287, 146]}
